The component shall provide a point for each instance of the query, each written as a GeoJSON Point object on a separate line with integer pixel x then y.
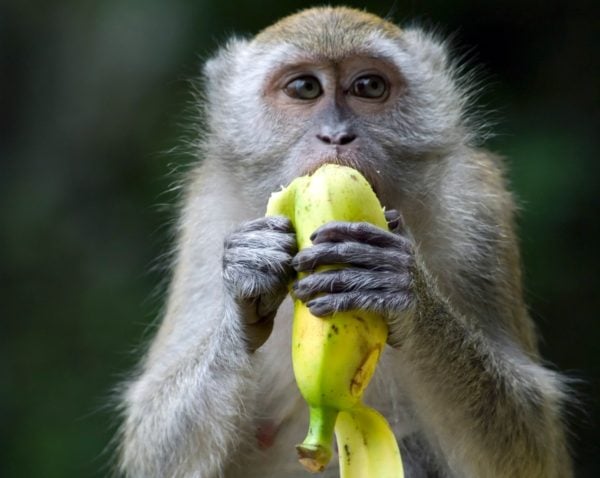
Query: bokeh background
{"type": "Point", "coordinates": [94, 116]}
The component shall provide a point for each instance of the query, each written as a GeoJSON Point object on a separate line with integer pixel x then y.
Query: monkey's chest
{"type": "Point", "coordinates": [279, 431]}
{"type": "Point", "coordinates": [283, 424]}
{"type": "Point", "coordinates": [282, 414]}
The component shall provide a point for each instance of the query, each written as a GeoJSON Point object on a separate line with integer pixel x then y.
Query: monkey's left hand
{"type": "Point", "coordinates": [377, 275]}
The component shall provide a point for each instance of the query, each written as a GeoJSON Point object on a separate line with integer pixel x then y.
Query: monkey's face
{"type": "Point", "coordinates": [334, 109]}
{"type": "Point", "coordinates": [335, 85]}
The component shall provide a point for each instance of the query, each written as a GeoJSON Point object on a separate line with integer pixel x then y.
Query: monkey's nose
{"type": "Point", "coordinates": [340, 139]}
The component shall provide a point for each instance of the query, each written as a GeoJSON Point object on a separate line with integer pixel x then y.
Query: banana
{"type": "Point", "coordinates": [367, 446]}
{"type": "Point", "coordinates": [335, 358]}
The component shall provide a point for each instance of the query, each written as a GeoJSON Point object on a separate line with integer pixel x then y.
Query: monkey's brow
{"type": "Point", "coordinates": [321, 61]}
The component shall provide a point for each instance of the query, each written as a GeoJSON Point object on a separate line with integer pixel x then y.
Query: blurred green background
{"type": "Point", "coordinates": [94, 111]}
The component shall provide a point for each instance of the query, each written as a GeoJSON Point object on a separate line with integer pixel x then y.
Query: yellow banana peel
{"type": "Point", "coordinates": [334, 358]}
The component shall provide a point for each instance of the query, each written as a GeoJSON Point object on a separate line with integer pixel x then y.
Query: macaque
{"type": "Point", "coordinates": [460, 381]}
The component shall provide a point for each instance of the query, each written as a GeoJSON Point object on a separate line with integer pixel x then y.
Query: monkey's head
{"type": "Point", "coordinates": [333, 85]}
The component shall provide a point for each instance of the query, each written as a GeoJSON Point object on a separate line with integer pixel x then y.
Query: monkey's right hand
{"type": "Point", "coordinates": [257, 268]}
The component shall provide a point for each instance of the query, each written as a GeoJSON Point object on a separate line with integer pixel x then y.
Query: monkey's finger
{"type": "Point", "coordinates": [388, 304]}
{"type": "Point", "coordinates": [352, 253]}
{"type": "Point", "coordinates": [246, 259]}
{"type": "Point", "coordinates": [261, 241]}
{"type": "Point", "coordinates": [268, 303]}
{"type": "Point", "coordinates": [362, 232]}
{"type": "Point", "coordinates": [258, 333]}
{"type": "Point", "coordinates": [395, 221]}
{"type": "Point", "coordinates": [254, 310]}
{"type": "Point", "coordinates": [258, 323]}
{"type": "Point", "coordinates": [249, 281]}
{"type": "Point", "coordinates": [348, 280]}
{"type": "Point", "coordinates": [273, 223]}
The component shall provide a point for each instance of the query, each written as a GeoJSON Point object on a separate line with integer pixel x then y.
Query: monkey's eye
{"type": "Point", "coordinates": [304, 88]}
{"type": "Point", "coordinates": [369, 86]}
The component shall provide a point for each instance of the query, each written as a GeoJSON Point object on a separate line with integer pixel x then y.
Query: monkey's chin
{"type": "Point", "coordinates": [351, 160]}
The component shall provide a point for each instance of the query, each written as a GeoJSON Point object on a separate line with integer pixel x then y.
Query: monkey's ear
{"type": "Point", "coordinates": [221, 65]}
{"type": "Point", "coordinates": [427, 47]}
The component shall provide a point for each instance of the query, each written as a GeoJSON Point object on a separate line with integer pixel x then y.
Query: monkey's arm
{"type": "Point", "coordinates": [188, 409]}
{"type": "Point", "coordinates": [486, 404]}
{"type": "Point", "coordinates": [193, 401]}
{"type": "Point", "coordinates": [493, 410]}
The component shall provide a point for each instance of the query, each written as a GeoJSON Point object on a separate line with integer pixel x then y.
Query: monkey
{"type": "Point", "coordinates": [461, 380]}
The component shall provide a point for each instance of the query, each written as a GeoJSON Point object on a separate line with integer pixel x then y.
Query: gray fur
{"type": "Point", "coordinates": [257, 268]}
{"type": "Point", "coordinates": [377, 275]}
{"type": "Point", "coordinates": [463, 386]}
